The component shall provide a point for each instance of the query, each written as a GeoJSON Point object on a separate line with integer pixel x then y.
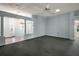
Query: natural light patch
{"type": "Point", "coordinates": [29, 27]}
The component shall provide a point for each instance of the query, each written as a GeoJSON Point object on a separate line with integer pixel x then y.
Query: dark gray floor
{"type": "Point", "coordinates": [42, 46]}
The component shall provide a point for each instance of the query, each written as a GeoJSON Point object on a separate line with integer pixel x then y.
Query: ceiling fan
{"type": "Point", "coordinates": [49, 10]}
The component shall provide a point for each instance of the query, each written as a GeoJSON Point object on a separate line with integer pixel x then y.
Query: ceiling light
{"type": "Point", "coordinates": [57, 10]}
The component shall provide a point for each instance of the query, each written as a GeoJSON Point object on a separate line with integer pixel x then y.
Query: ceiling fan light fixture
{"type": "Point", "coordinates": [47, 7]}
{"type": "Point", "coordinates": [57, 10]}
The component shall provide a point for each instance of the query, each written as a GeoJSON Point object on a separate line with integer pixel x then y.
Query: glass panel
{"type": "Point", "coordinates": [13, 27]}
{"type": "Point", "coordinates": [20, 27]}
{"type": "Point", "coordinates": [0, 25]}
{"type": "Point", "coordinates": [29, 27]}
{"type": "Point", "coordinates": [9, 27]}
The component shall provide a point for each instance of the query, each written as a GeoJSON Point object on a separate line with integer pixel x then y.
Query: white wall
{"type": "Point", "coordinates": [39, 27]}
{"type": "Point", "coordinates": [71, 26]}
{"type": "Point", "coordinates": [60, 26]}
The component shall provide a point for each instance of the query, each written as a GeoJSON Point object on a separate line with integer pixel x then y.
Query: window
{"type": "Point", "coordinates": [29, 27]}
{"type": "Point", "coordinates": [0, 25]}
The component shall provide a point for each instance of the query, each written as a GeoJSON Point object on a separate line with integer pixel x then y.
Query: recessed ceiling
{"type": "Point", "coordinates": [39, 8]}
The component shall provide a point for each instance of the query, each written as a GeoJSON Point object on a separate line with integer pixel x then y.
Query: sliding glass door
{"type": "Point", "coordinates": [0, 25]}
{"type": "Point", "coordinates": [13, 27]}
{"type": "Point", "coordinates": [29, 27]}
{"type": "Point", "coordinates": [19, 27]}
{"type": "Point", "coordinates": [9, 27]}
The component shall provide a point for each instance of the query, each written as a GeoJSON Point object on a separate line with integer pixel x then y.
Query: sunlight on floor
{"type": "Point", "coordinates": [13, 40]}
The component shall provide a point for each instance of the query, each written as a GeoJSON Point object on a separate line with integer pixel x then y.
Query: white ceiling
{"type": "Point", "coordinates": [38, 8]}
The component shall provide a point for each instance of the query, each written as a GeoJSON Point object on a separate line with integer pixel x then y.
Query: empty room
{"type": "Point", "coordinates": [39, 29]}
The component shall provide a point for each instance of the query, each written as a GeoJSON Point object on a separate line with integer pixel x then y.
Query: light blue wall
{"type": "Point", "coordinates": [71, 26]}
{"type": "Point", "coordinates": [39, 26]}
{"type": "Point", "coordinates": [60, 26]}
